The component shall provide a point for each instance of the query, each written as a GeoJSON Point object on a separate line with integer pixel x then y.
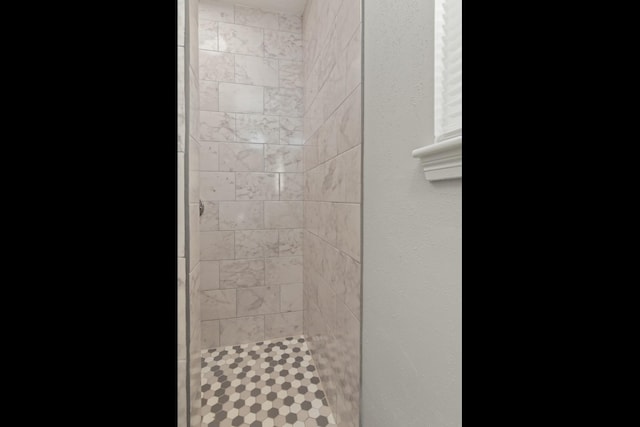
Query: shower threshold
{"type": "Point", "coordinates": [271, 383]}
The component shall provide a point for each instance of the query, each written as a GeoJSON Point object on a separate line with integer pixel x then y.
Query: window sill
{"type": "Point", "coordinates": [442, 160]}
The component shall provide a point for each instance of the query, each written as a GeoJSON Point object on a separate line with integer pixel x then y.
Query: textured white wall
{"type": "Point", "coordinates": [411, 232]}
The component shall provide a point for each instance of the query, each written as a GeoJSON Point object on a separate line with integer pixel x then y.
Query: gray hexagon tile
{"type": "Point", "coordinates": [265, 384]}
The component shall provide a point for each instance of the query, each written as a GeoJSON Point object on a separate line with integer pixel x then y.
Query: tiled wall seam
{"type": "Point", "coordinates": [251, 130]}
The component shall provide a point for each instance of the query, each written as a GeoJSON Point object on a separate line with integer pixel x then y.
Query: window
{"type": "Point", "coordinates": [442, 159]}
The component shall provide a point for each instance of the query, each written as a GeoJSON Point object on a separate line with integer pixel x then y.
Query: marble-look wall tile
{"type": "Point", "coordinates": [283, 101]}
{"type": "Point", "coordinates": [209, 218]}
{"type": "Point", "coordinates": [256, 243]}
{"type": "Point", "coordinates": [353, 59]}
{"type": "Point", "coordinates": [209, 156]}
{"type": "Point", "coordinates": [310, 157]}
{"type": "Point", "coordinates": [241, 215]}
{"type": "Point", "coordinates": [208, 34]}
{"type": "Point", "coordinates": [283, 214]}
{"type": "Point", "coordinates": [327, 229]}
{"type": "Point", "coordinates": [256, 17]}
{"type": "Point", "coordinates": [181, 22]}
{"type": "Point", "coordinates": [216, 66]}
{"type": "Point", "coordinates": [283, 45]}
{"type": "Point", "coordinates": [291, 23]}
{"type": "Point", "coordinates": [241, 330]}
{"type": "Point", "coordinates": [290, 74]}
{"type": "Point", "coordinates": [194, 236]}
{"type": "Point", "coordinates": [290, 242]}
{"type": "Point", "coordinates": [216, 10]}
{"type": "Point", "coordinates": [260, 300]}
{"type": "Point", "coordinates": [257, 128]}
{"type": "Point", "coordinates": [349, 118]}
{"type": "Point", "coordinates": [217, 186]}
{"type": "Point", "coordinates": [218, 304]}
{"type": "Point", "coordinates": [332, 184]}
{"type": "Point", "coordinates": [182, 393]}
{"type": "Point", "coordinates": [239, 98]}
{"type": "Point", "coordinates": [283, 158]}
{"type": "Point", "coordinates": [182, 309]}
{"type": "Point", "coordinates": [217, 126]}
{"type": "Point", "coordinates": [194, 104]}
{"type": "Point", "coordinates": [349, 167]}
{"type": "Point", "coordinates": [236, 157]}
{"type": "Point", "coordinates": [241, 273]}
{"type": "Point", "coordinates": [181, 201]}
{"type": "Point", "coordinates": [348, 229]}
{"type": "Point", "coordinates": [181, 101]}
{"type": "Point", "coordinates": [208, 95]}
{"type": "Point", "coordinates": [210, 335]}
{"type": "Point", "coordinates": [209, 275]}
{"type": "Point", "coordinates": [313, 119]}
{"type": "Point", "coordinates": [347, 22]}
{"type": "Point", "coordinates": [254, 70]}
{"type": "Point", "coordinates": [331, 268]}
{"type": "Point", "coordinates": [327, 143]}
{"type": "Point", "coordinates": [240, 39]}
{"type": "Point", "coordinates": [291, 129]}
{"type": "Point", "coordinates": [257, 186]}
{"type": "Point", "coordinates": [334, 90]}
{"type": "Point", "coordinates": [283, 324]}
{"type": "Point", "coordinates": [327, 303]}
{"type": "Point", "coordinates": [291, 186]}
{"type": "Point", "coordinates": [283, 270]}
{"type": "Point", "coordinates": [351, 285]}
{"type": "Point", "coordinates": [291, 297]}
{"type": "Point", "coordinates": [217, 245]}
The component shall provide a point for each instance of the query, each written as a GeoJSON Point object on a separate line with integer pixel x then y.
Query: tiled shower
{"type": "Point", "coordinates": [272, 111]}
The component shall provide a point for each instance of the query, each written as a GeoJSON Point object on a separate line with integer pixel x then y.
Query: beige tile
{"type": "Point", "coordinates": [257, 186]}
{"type": "Point", "coordinates": [291, 23]}
{"type": "Point", "coordinates": [282, 101]}
{"type": "Point", "coordinates": [259, 300]}
{"type": "Point", "coordinates": [327, 229]}
{"type": "Point", "coordinates": [283, 158]}
{"type": "Point", "coordinates": [217, 186]}
{"type": "Point", "coordinates": [239, 98]}
{"type": "Point", "coordinates": [236, 157]}
{"type": "Point", "coordinates": [291, 129]}
{"type": "Point", "coordinates": [332, 183]}
{"type": "Point", "coordinates": [283, 324]}
{"type": "Point", "coordinates": [290, 73]}
{"type": "Point", "coordinates": [256, 243]}
{"type": "Point", "coordinates": [313, 119]}
{"type": "Point", "coordinates": [291, 297]}
{"type": "Point", "coordinates": [331, 267]}
{"type": "Point", "coordinates": [209, 275]}
{"type": "Point", "coordinates": [209, 153]}
{"type": "Point", "coordinates": [210, 336]}
{"type": "Point", "coordinates": [351, 285]}
{"type": "Point", "coordinates": [240, 39]}
{"type": "Point", "coordinates": [348, 229]}
{"type": "Point", "coordinates": [216, 66]}
{"type": "Point", "coordinates": [283, 270]}
{"type": "Point", "coordinates": [217, 126]}
{"type": "Point", "coordinates": [312, 217]}
{"type": "Point", "coordinates": [257, 128]}
{"type": "Point", "coordinates": [241, 215]}
{"type": "Point", "coordinates": [291, 186]}
{"type": "Point", "coordinates": [241, 330]}
{"type": "Point", "coordinates": [207, 34]}
{"type": "Point", "coordinates": [208, 95]}
{"type": "Point", "coordinates": [283, 214]}
{"type": "Point", "coordinates": [215, 10]}
{"type": "Point", "coordinates": [209, 218]}
{"type": "Point", "coordinates": [290, 242]}
{"type": "Point", "coordinates": [327, 143]}
{"type": "Point", "coordinates": [216, 245]}
{"type": "Point", "coordinates": [349, 121]}
{"type": "Point", "coordinates": [255, 17]}
{"type": "Point", "coordinates": [347, 21]}
{"type": "Point", "coordinates": [241, 274]}
{"type": "Point", "coordinates": [327, 304]}
{"type": "Point", "coordinates": [218, 304]}
{"type": "Point", "coordinates": [349, 168]}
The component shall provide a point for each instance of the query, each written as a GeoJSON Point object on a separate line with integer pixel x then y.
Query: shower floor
{"type": "Point", "coordinates": [266, 384]}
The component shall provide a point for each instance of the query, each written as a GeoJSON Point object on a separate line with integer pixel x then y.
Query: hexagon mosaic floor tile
{"type": "Point", "coordinates": [267, 384]}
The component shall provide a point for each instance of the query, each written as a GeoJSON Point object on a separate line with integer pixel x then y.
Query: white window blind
{"type": "Point", "coordinates": [448, 70]}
